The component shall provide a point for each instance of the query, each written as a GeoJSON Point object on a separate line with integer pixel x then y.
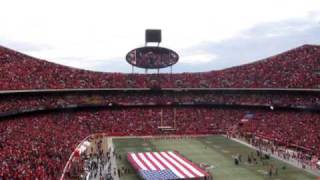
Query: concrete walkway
{"type": "Point", "coordinates": [113, 160]}
{"type": "Point", "coordinates": [105, 170]}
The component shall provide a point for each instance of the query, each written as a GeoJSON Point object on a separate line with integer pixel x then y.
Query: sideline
{"type": "Point", "coordinates": [113, 160]}
{"type": "Point", "coordinates": [293, 163]}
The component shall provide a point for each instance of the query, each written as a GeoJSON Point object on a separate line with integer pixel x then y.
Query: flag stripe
{"type": "Point", "coordinates": [169, 153]}
{"type": "Point", "coordinates": [177, 172]}
{"type": "Point", "coordinates": [150, 160]}
{"type": "Point", "coordinates": [147, 162]}
{"type": "Point", "coordinates": [138, 162]}
{"type": "Point", "coordinates": [159, 165]}
{"type": "Point", "coordinates": [135, 165]}
{"type": "Point", "coordinates": [193, 165]}
{"type": "Point", "coordinates": [190, 167]}
{"type": "Point", "coordinates": [164, 165]}
{"type": "Point", "coordinates": [173, 165]}
{"type": "Point", "coordinates": [159, 161]}
{"type": "Point", "coordinates": [142, 161]}
{"type": "Point", "coordinates": [178, 165]}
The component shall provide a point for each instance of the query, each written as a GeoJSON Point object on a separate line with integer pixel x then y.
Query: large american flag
{"type": "Point", "coordinates": [164, 165]}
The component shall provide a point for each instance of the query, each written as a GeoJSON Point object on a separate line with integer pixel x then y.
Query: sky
{"type": "Point", "coordinates": [207, 34]}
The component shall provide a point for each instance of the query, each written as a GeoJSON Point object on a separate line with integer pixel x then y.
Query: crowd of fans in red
{"type": "Point", "coordinates": [20, 103]}
{"type": "Point", "coordinates": [297, 68]}
{"type": "Point", "coordinates": [300, 131]}
{"type": "Point", "coordinates": [39, 145]}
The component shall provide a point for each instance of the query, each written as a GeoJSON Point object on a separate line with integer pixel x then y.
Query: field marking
{"type": "Point", "coordinates": [263, 171]}
{"type": "Point", "coordinates": [225, 151]}
{"type": "Point", "coordinates": [317, 173]}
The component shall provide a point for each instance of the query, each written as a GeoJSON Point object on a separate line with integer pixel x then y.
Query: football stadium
{"type": "Point", "coordinates": [181, 105]}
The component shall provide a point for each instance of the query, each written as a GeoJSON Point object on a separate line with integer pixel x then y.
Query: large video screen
{"type": "Point", "coordinates": [152, 57]}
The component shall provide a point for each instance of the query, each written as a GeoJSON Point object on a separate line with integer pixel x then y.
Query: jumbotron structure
{"type": "Point", "coordinates": [47, 109]}
{"type": "Point", "coordinates": [152, 57]}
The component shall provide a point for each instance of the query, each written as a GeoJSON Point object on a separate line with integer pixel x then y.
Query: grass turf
{"type": "Point", "coordinates": [212, 150]}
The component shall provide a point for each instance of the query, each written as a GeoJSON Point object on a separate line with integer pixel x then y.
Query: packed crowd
{"type": "Point", "coordinates": [297, 68]}
{"type": "Point", "coordinates": [300, 131]}
{"type": "Point", "coordinates": [39, 145]}
{"type": "Point", "coordinates": [24, 102]}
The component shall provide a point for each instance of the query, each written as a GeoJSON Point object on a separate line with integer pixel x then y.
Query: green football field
{"type": "Point", "coordinates": [216, 151]}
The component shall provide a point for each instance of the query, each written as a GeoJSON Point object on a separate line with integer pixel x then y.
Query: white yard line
{"type": "Point", "coordinates": [113, 160]}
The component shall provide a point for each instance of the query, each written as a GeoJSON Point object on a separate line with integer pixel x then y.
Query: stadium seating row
{"type": "Point", "coordinates": [21, 103]}
{"type": "Point", "coordinates": [297, 68]}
